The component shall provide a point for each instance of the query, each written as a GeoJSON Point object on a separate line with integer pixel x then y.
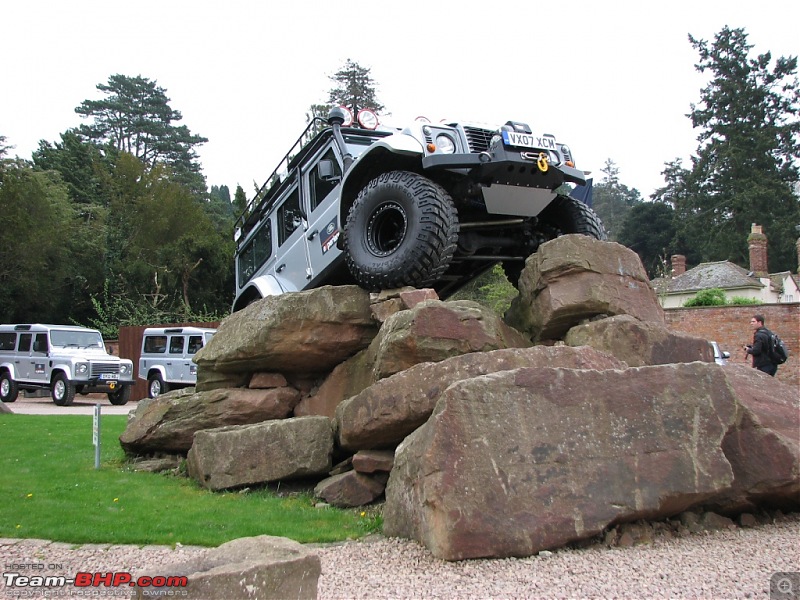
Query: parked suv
{"type": "Point", "coordinates": [425, 205]}
{"type": "Point", "coordinates": [166, 358]}
{"type": "Point", "coordinates": [62, 358]}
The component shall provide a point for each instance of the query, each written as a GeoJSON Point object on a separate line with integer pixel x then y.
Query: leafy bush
{"type": "Point", "coordinates": [741, 300]}
{"type": "Point", "coordinates": [710, 297]}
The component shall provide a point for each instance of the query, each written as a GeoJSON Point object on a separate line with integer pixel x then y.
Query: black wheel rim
{"type": "Point", "coordinates": [386, 229]}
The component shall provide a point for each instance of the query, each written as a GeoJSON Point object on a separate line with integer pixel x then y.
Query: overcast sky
{"type": "Point", "coordinates": [613, 79]}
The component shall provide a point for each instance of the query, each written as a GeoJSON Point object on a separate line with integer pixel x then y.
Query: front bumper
{"type": "Point", "coordinates": [506, 166]}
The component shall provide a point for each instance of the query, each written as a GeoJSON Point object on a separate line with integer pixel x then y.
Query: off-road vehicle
{"type": "Point", "coordinates": [427, 205]}
{"type": "Point", "coordinates": [62, 358]}
{"type": "Point", "coordinates": [166, 357]}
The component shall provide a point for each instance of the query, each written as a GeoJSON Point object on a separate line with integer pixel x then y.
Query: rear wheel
{"type": "Point", "coordinates": [156, 386]}
{"type": "Point", "coordinates": [9, 390]}
{"type": "Point", "coordinates": [120, 396]}
{"type": "Point", "coordinates": [563, 215]}
{"type": "Point", "coordinates": [401, 230]}
{"type": "Point", "coordinates": [62, 390]}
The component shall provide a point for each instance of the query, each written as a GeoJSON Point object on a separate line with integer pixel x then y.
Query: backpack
{"type": "Point", "coordinates": [777, 352]}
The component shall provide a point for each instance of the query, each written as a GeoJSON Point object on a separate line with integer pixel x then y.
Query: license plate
{"type": "Point", "coordinates": [527, 140]}
{"type": "Point", "coordinates": [108, 376]}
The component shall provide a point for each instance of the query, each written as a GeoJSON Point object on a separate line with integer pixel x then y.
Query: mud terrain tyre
{"type": "Point", "coordinates": [563, 215]}
{"type": "Point", "coordinates": [401, 230]}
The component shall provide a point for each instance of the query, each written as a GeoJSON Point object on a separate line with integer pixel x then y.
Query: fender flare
{"type": "Point", "coordinates": [161, 371]}
{"type": "Point", "coordinates": [260, 287]}
{"type": "Point", "coordinates": [10, 368]}
{"type": "Point", "coordinates": [397, 151]}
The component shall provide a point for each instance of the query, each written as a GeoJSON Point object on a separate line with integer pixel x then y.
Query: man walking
{"type": "Point", "coordinates": [759, 349]}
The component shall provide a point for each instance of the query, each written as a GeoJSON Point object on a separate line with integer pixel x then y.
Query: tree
{"type": "Point", "coordinates": [35, 245]}
{"type": "Point", "coordinates": [135, 117]}
{"type": "Point", "coordinates": [648, 230]}
{"type": "Point", "coordinates": [612, 200]}
{"type": "Point", "coordinates": [239, 202]}
{"type": "Point", "coordinates": [746, 166]}
{"type": "Point", "coordinates": [354, 88]}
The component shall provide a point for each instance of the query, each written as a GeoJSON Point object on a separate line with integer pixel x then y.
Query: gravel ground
{"type": "Point", "coordinates": [736, 563]}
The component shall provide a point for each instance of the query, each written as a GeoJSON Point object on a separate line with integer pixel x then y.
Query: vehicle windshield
{"type": "Point", "coordinates": [76, 339]}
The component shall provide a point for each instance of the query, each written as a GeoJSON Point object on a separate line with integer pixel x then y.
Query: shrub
{"type": "Point", "coordinates": [710, 297]}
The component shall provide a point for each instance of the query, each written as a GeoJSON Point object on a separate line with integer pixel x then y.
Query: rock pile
{"type": "Point", "coordinates": [578, 412]}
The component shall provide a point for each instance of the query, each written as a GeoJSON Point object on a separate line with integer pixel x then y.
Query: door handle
{"type": "Point", "coordinates": [280, 268]}
{"type": "Point", "coordinates": [313, 234]}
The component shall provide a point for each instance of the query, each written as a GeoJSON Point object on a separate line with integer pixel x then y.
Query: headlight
{"type": "Point", "coordinates": [123, 369]}
{"type": "Point", "coordinates": [445, 144]}
{"type": "Point", "coordinates": [81, 368]}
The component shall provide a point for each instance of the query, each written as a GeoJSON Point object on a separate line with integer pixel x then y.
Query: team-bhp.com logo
{"type": "Point", "coordinates": [95, 580]}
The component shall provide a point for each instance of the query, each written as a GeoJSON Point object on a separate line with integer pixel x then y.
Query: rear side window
{"type": "Point", "coordinates": [176, 344]}
{"type": "Point", "coordinates": [195, 343]}
{"type": "Point", "coordinates": [155, 344]}
{"type": "Point", "coordinates": [8, 341]}
{"type": "Point", "coordinates": [24, 342]}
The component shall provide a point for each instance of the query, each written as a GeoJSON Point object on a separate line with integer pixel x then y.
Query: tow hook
{"type": "Point", "coordinates": [542, 162]}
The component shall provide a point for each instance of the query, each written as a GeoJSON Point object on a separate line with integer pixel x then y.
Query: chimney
{"type": "Point", "coordinates": [678, 264]}
{"type": "Point", "coordinates": [757, 243]}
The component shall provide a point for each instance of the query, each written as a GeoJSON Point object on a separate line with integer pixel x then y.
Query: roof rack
{"type": "Point", "coordinates": [264, 194]}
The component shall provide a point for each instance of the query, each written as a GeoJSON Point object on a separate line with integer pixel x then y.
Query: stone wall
{"type": "Point", "coordinates": [730, 327]}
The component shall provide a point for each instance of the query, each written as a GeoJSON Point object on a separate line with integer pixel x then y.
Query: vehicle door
{"type": "Point", "coordinates": [291, 264]}
{"type": "Point", "coordinates": [177, 365]}
{"type": "Point", "coordinates": [193, 347]}
{"type": "Point", "coordinates": [38, 359]}
{"type": "Point", "coordinates": [22, 361]}
{"type": "Point", "coordinates": [320, 186]}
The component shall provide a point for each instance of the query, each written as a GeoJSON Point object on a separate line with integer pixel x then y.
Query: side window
{"type": "Point", "coordinates": [176, 344]}
{"type": "Point", "coordinates": [195, 343]}
{"type": "Point", "coordinates": [40, 343]}
{"type": "Point", "coordinates": [155, 344]}
{"type": "Point", "coordinates": [24, 342]}
{"type": "Point", "coordinates": [255, 253]}
{"type": "Point", "coordinates": [319, 187]}
{"type": "Point", "coordinates": [8, 341]}
{"type": "Point", "coordinates": [289, 216]}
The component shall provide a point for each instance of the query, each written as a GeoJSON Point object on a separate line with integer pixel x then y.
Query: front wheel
{"type": "Point", "coordinates": [9, 390]}
{"type": "Point", "coordinates": [120, 396]}
{"type": "Point", "coordinates": [401, 230]}
{"type": "Point", "coordinates": [63, 390]}
{"type": "Point", "coordinates": [156, 386]}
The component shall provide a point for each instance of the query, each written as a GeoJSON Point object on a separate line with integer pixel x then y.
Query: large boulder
{"type": "Point", "coordinates": [386, 412]}
{"type": "Point", "coordinates": [639, 343]}
{"type": "Point", "coordinates": [430, 331]}
{"type": "Point", "coordinates": [574, 278]}
{"type": "Point", "coordinates": [231, 457]}
{"type": "Point", "coordinates": [519, 461]}
{"type": "Point", "coordinates": [167, 423]}
{"type": "Point", "coordinates": [264, 567]}
{"type": "Point", "coordinates": [302, 332]}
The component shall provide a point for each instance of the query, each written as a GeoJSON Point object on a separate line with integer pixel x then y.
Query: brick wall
{"type": "Point", "coordinates": [730, 327]}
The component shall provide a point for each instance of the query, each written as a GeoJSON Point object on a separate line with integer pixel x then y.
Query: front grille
{"type": "Point", "coordinates": [104, 368]}
{"type": "Point", "coordinates": [478, 139]}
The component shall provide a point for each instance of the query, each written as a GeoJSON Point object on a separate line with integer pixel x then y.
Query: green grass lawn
{"type": "Point", "coordinates": [50, 489]}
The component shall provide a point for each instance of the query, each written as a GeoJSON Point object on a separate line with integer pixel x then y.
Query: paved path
{"type": "Point", "coordinates": [83, 405]}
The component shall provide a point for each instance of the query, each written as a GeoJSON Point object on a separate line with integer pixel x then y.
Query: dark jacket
{"type": "Point", "coordinates": [760, 348]}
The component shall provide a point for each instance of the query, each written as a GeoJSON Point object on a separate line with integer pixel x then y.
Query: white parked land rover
{"type": "Point", "coordinates": [62, 358]}
{"type": "Point", "coordinates": [166, 358]}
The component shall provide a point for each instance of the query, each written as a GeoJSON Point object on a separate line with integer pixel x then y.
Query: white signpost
{"type": "Point", "coordinates": [96, 436]}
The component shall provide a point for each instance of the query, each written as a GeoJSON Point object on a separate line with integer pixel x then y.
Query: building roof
{"type": "Point", "coordinates": [721, 274]}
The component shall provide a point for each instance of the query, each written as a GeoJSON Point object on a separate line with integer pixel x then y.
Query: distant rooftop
{"type": "Point", "coordinates": [722, 274]}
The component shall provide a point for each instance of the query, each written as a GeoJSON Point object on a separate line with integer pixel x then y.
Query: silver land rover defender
{"type": "Point", "coordinates": [166, 357]}
{"type": "Point", "coordinates": [427, 205]}
{"type": "Point", "coordinates": [62, 358]}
